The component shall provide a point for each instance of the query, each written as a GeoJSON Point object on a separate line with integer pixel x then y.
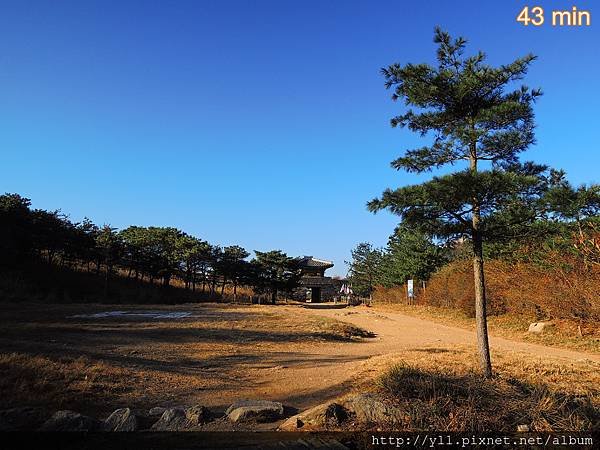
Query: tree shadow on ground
{"type": "Point", "coordinates": [120, 381]}
{"type": "Point", "coordinates": [49, 358]}
{"type": "Point", "coordinates": [81, 337]}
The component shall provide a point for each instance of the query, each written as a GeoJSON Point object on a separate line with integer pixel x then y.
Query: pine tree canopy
{"type": "Point", "coordinates": [473, 115]}
{"type": "Point", "coordinates": [570, 203]}
{"type": "Point", "coordinates": [365, 268]}
{"type": "Point", "coordinates": [463, 101]}
{"type": "Point", "coordinates": [443, 206]}
{"type": "Point", "coordinates": [409, 254]}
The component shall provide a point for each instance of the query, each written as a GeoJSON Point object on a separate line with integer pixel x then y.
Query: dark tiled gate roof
{"type": "Point", "coordinates": [309, 261]}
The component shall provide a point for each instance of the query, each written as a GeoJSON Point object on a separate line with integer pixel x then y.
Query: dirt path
{"type": "Point", "coordinates": [399, 331]}
{"type": "Point", "coordinates": [330, 369]}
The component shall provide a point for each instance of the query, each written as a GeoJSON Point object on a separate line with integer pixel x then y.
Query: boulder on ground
{"type": "Point", "coordinates": [255, 410]}
{"type": "Point", "coordinates": [540, 327]}
{"type": "Point", "coordinates": [362, 408]}
{"type": "Point", "coordinates": [317, 417]}
{"type": "Point", "coordinates": [371, 408]}
{"type": "Point", "coordinates": [157, 411]}
{"type": "Point", "coordinates": [122, 420]}
{"type": "Point", "coordinates": [335, 414]}
{"type": "Point", "coordinates": [197, 415]}
{"type": "Point", "coordinates": [172, 419]}
{"type": "Point", "coordinates": [71, 421]}
{"type": "Point", "coordinates": [21, 419]}
{"type": "Point", "coordinates": [180, 419]}
{"type": "Point", "coordinates": [293, 423]}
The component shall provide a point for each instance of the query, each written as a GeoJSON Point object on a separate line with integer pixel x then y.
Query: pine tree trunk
{"type": "Point", "coordinates": [483, 344]}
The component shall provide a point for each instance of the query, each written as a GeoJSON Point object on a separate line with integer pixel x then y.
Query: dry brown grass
{"type": "Point", "coordinates": [327, 326]}
{"type": "Point", "coordinates": [97, 365]}
{"type": "Point", "coordinates": [441, 390]}
{"type": "Point", "coordinates": [64, 383]}
{"type": "Point", "coordinates": [562, 289]}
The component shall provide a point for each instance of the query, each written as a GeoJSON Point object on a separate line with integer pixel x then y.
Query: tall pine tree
{"type": "Point", "coordinates": [475, 118]}
{"type": "Point", "coordinates": [365, 269]}
{"type": "Point", "coordinates": [410, 254]}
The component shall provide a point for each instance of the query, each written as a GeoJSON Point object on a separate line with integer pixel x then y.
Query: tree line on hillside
{"type": "Point", "coordinates": [146, 254]}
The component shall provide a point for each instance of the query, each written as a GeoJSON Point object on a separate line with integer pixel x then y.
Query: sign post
{"type": "Point", "coordinates": [410, 291]}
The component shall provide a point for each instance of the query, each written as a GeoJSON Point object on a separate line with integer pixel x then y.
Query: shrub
{"type": "Point", "coordinates": [567, 291]}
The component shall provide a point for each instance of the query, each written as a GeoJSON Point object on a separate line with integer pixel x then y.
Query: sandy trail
{"type": "Point", "coordinates": [330, 369]}
{"type": "Point", "coordinates": [399, 331]}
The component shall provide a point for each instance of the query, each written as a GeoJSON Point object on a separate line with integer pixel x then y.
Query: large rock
{"type": "Point", "coordinates": [180, 419]}
{"type": "Point", "coordinates": [371, 408]}
{"type": "Point", "coordinates": [311, 418]}
{"type": "Point", "coordinates": [172, 419]}
{"type": "Point", "coordinates": [255, 410]}
{"type": "Point", "coordinates": [318, 417]}
{"type": "Point", "coordinates": [197, 415]}
{"type": "Point", "coordinates": [366, 409]}
{"type": "Point", "coordinates": [71, 421]}
{"type": "Point", "coordinates": [540, 327]}
{"type": "Point", "coordinates": [122, 420]}
{"type": "Point", "coordinates": [335, 414]}
{"type": "Point", "coordinates": [21, 419]}
{"type": "Point", "coordinates": [157, 411]}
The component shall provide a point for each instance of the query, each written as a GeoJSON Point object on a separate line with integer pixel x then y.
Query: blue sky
{"type": "Point", "coordinates": [258, 123]}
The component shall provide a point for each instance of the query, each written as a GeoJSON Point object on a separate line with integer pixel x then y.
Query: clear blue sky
{"type": "Point", "coordinates": [263, 124]}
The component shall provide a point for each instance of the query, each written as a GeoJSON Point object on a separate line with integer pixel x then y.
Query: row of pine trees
{"type": "Point", "coordinates": [155, 255]}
